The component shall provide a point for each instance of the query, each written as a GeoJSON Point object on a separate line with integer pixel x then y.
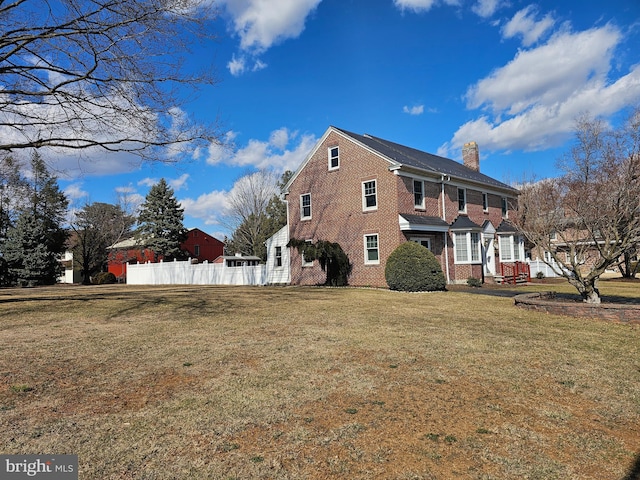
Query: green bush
{"type": "Point", "coordinates": [103, 278]}
{"type": "Point", "coordinates": [413, 268]}
{"type": "Point", "coordinates": [474, 282]}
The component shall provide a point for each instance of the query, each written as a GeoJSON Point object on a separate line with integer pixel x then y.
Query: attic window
{"type": "Point", "coordinates": [334, 158]}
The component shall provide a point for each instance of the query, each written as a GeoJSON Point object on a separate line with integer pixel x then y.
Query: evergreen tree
{"type": "Point", "coordinates": [33, 245]}
{"type": "Point", "coordinates": [29, 259]}
{"type": "Point", "coordinates": [47, 203]}
{"type": "Point", "coordinates": [12, 194]}
{"type": "Point", "coordinates": [161, 222]}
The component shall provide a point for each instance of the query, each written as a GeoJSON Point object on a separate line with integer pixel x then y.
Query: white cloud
{"type": "Point", "coordinates": [74, 191]}
{"type": "Point", "coordinates": [548, 74]}
{"type": "Point", "coordinates": [148, 182]}
{"type": "Point", "coordinates": [261, 23]}
{"type": "Point", "coordinates": [532, 102]}
{"type": "Point", "coordinates": [486, 8]}
{"type": "Point", "coordinates": [415, 5]}
{"type": "Point", "coordinates": [258, 65]}
{"type": "Point", "coordinates": [218, 151]}
{"type": "Point", "coordinates": [180, 182]}
{"type": "Point", "coordinates": [523, 23]}
{"type": "Point", "coordinates": [236, 66]}
{"type": "Point", "coordinates": [423, 5]}
{"type": "Point", "coordinates": [415, 110]}
{"type": "Point", "coordinates": [208, 207]}
{"type": "Point", "coordinates": [174, 183]}
{"type": "Point", "coordinates": [285, 150]}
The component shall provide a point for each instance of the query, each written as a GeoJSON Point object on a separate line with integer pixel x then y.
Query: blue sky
{"type": "Point", "coordinates": [431, 74]}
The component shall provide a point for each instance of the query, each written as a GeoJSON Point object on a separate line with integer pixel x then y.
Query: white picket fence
{"type": "Point", "coordinates": [536, 266]}
{"type": "Point", "coordinates": [186, 273]}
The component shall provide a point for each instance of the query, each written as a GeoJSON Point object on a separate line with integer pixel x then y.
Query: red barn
{"type": "Point", "coordinates": [199, 245]}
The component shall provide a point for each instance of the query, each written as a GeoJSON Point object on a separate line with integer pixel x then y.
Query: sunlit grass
{"type": "Point", "coordinates": [234, 382]}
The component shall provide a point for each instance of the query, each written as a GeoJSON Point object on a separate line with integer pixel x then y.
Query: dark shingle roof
{"type": "Point", "coordinates": [425, 161]}
{"type": "Point", "coordinates": [506, 227]}
{"type": "Point", "coordinates": [424, 220]}
{"type": "Point", "coordinates": [464, 223]}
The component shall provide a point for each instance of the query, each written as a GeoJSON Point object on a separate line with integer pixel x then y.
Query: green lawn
{"type": "Point", "coordinates": [234, 382]}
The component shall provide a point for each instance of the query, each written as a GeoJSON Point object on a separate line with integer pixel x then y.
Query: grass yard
{"type": "Point", "coordinates": [293, 383]}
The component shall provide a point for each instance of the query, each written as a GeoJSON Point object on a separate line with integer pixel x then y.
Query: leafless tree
{"type": "Point", "coordinates": [247, 212]}
{"type": "Point", "coordinates": [589, 217]}
{"type": "Point", "coordinates": [77, 74]}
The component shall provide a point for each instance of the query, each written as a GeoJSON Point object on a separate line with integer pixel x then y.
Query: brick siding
{"type": "Point", "coordinates": [337, 212]}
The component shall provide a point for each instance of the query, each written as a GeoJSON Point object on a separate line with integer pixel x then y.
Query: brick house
{"type": "Point", "coordinates": [370, 195]}
{"type": "Point", "coordinates": [199, 246]}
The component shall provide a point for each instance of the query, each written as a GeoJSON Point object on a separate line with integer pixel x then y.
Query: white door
{"type": "Point", "coordinates": [488, 256]}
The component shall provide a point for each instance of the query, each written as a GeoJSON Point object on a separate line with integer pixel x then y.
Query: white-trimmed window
{"type": "Point", "coordinates": [369, 195]}
{"type": "Point", "coordinates": [334, 158]}
{"type": "Point", "coordinates": [467, 247]}
{"type": "Point", "coordinates": [278, 257]}
{"type": "Point", "coordinates": [371, 250]}
{"type": "Point", "coordinates": [418, 193]}
{"type": "Point", "coordinates": [511, 248]}
{"type": "Point", "coordinates": [505, 207]}
{"type": "Point", "coordinates": [305, 206]}
{"type": "Point", "coordinates": [462, 200]}
{"type": "Point", "coordinates": [485, 202]}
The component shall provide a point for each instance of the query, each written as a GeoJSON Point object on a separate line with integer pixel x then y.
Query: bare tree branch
{"type": "Point", "coordinates": [80, 74]}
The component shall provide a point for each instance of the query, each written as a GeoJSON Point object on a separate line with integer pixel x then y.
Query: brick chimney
{"type": "Point", "coordinates": [471, 156]}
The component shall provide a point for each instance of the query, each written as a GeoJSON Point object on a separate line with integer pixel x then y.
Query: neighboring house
{"type": "Point", "coordinates": [71, 272]}
{"type": "Point", "coordinates": [200, 247]}
{"type": "Point", "coordinates": [370, 195]}
{"type": "Point", "coordinates": [238, 260]}
{"type": "Point", "coordinates": [277, 268]}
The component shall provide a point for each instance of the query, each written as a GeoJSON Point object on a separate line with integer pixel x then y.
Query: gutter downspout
{"type": "Point", "coordinates": [446, 241]}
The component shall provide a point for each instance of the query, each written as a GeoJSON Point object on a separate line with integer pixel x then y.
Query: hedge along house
{"type": "Point", "coordinates": [370, 195]}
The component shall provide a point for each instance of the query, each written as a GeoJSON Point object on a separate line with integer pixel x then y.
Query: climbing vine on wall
{"type": "Point", "coordinates": [331, 257]}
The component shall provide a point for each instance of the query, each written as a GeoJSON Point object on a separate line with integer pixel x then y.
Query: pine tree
{"type": "Point", "coordinates": [161, 222]}
{"type": "Point", "coordinates": [30, 261]}
{"type": "Point", "coordinates": [36, 240]}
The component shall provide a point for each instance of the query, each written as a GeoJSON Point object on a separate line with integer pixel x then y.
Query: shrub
{"type": "Point", "coordinates": [103, 278]}
{"type": "Point", "coordinates": [540, 275]}
{"type": "Point", "coordinates": [474, 282]}
{"type": "Point", "coordinates": [413, 268]}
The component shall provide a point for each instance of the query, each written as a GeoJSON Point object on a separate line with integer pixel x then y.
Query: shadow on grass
{"type": "Point", "coordinates": [634, 473]}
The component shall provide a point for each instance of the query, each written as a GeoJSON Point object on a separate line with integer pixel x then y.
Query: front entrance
{"type": "Point", "coordinates": [488, 256]}
{"type": "Point", "coordinates": [488, 249]}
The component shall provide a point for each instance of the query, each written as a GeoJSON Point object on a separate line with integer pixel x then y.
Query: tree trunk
{"type": "Point", "coordinates": [588, 288]}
